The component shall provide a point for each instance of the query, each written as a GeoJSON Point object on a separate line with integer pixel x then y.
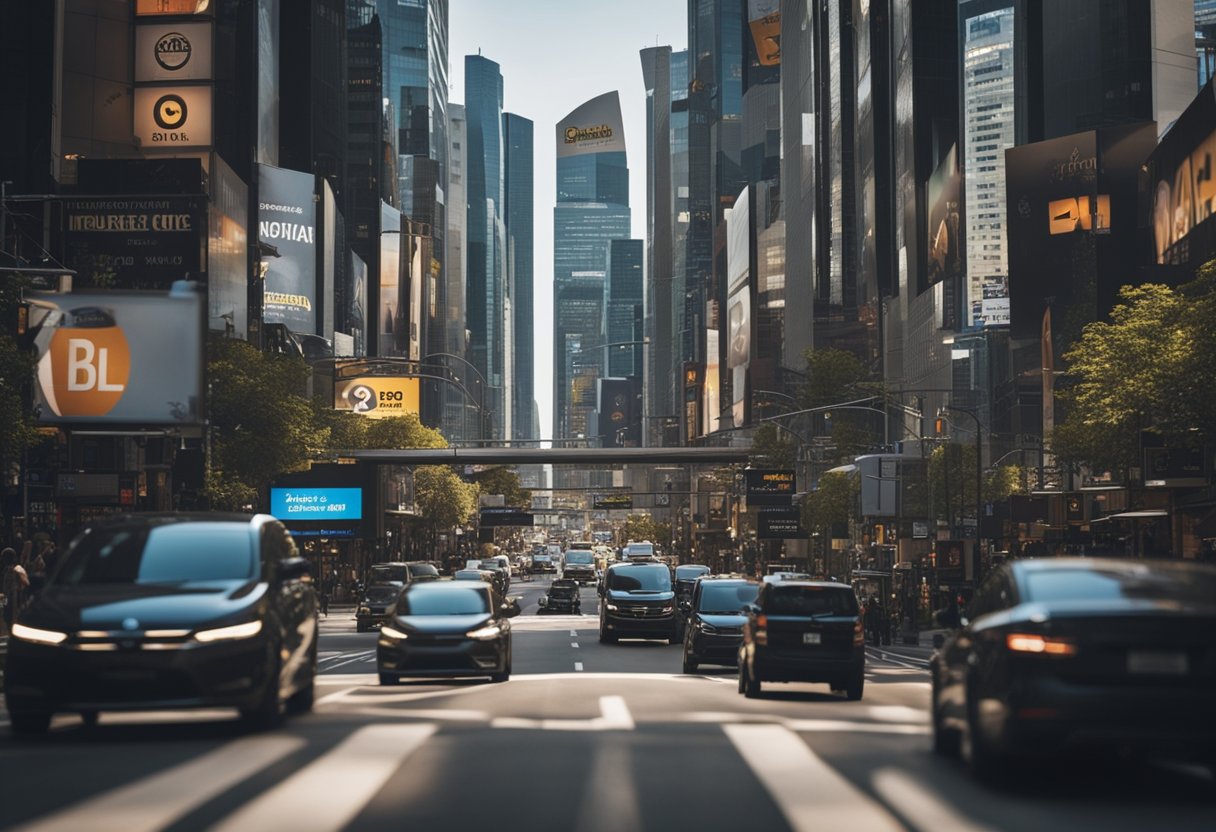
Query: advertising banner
{"type": "Point", "coordinates": [356, 315]}
{"type": "Point", "coordinates": [738, 245]}
{"type": "Point", "coordinates": [738, 352]}
{"type": "Point", "coordinates": [168, 118]}
{"type": "Point", "coordinates": [594, 127]}
{"type": "Point", "coordinates": [134, 242]}
{"type": "Point", "coordinates": [164, 7]}
{"type": "Point", "coordinates": [712, 382]}
{"type": "Point", "coordinates": [764, 19]}
{"type": "Point", "coordinates": [779, 524]}
{"type": "Point", "coordinates": [391, 319]}
{"type": "Point", "coordinates": [1183, 187]}
{"type": "Point", "coordinates": [610, 502]}
{"type": "Point", "coordinates": [173, 52]}
{"type": "Point", "coordinates": [379, 397]}
{"type": "Point", "coordinates": [945, 244]}
{"type": "Point", "coordinates": [324, 504]}
{"type": "Point", "coordinates": [119, 358]}
{"type": "Point", "coordinates": [287, 225]}
{"type": "Point", "coordinates": [769, 488]}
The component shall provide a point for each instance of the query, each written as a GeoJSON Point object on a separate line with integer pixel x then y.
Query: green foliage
{"type": "Point", "coordinates": [261, 423]}
{"type": "Point", "coordinates": [835, 376]}
{"type": "Point", "coordinates": [640, 527]}
{"type": "Point", "coordinates": [17, 428]}
{"type": "Point", "coordinates": [774, 446]}
{"type": "Point", "coordinates": [400, 432]}
{"type": "Point", "coordinates": [503, 481]}
{"type": "Point", "coordinates": [1147, 367]}
{"type": "Point", "coordinates": [833, 503]}
{"type": "Point", "coordinates": [444, 499]}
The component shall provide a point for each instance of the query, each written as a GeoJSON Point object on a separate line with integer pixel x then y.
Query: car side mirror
{"type": "Point", "coordinates": [293, 569]}
{"type": "Point", "coordinates": [543, 601]}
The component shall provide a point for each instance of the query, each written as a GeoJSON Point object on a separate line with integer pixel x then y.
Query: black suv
{"type": "Point", "coordinates": [637, 601]}
{"type": "Point", "coordinates": [803, 631]}
{"type": "Point", "coordinates": [715, 620]}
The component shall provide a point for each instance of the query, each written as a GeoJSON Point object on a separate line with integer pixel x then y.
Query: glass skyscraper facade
{"type": "Point", "coordinates": [518, 219]}
{"type": "Point", "coordinates": [592, 209]}
{"type": "Point", "coordinates": [623, 309]}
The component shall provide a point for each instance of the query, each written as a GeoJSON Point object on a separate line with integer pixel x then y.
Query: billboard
{"type": "Point", "coordinates": [595, 126]}
{"type": "Point", "coordinates": [162, 7]}
{"type": "Point", "coordinates": [119, 358]}
{"type": "Point", "coordinates": [324, 504]}
{"type": "Point", "coordinates": [769, 488]}
{"type": "Point", "coordinates": [287, 227]}
{"type": "Point", "coordinates": [779, 524]}
{"type": "Point", "coordinates": [173, 52]}
{"type": "Point", "coordinates": [379, 397]}
{"type": "Point", "coordinates": [764, 20]}
{"type": "Point", "coordinates": [391, 318]}
{"type": "Point", "coordinates": [738, 246]}
{"type": "Point", "coordinates": [945, 244]}
{"type": "Point", "coordinates": [355, 314]}
{"type": "Point", "coordinates": [712, 393]}
{"type": "Point", "coordinates": [168, 118]}
{"type": "Point", "coordinates": [610, 502]}
{"type": "Point", "coordinates": [134, 242]}
{"type": "Point", "coordinates": [227, 252]}
{"type": "Point", "coordinates": [1182, 184]}
{"type": "Point", "coordinates": [739, 349]}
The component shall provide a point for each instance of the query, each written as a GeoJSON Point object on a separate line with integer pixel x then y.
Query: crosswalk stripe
{"type": "Point", "coordinates": [328, 792]}
{"type": "Point", "coordinates": [809, 792]}
{"type": "Point", "coordinates": [155, 802]}
{"type": "Point", "coordinates": [911, 799]}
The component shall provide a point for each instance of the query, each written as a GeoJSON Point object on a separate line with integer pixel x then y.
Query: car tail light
{"type": "Point", "coordinates": [762, 621]}
{"type": "Point", "coordinates": [859, 633]}
{"type": "Point", "coordinates": [1045, 645]}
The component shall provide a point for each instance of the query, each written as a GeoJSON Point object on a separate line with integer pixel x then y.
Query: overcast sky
{"type": "Point", "coordinates": [554, 55]}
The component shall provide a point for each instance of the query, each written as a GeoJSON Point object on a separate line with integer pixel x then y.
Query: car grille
{"type": "Point", "coordinates": [629, 611]}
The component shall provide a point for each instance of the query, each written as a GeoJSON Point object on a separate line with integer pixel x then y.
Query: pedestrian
{"type": "Point", "coordinates": [325, 601]}
{"type": "Point", "coordinates": [15, 583]}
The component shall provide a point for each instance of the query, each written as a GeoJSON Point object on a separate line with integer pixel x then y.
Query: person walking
{"type": "Point", "coordinates": [15, 583]}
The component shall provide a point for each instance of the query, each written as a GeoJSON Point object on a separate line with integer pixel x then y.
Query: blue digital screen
{"type": "Point", "coordinates": [290, 504]}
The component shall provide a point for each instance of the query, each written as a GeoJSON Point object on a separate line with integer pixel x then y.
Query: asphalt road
{"type": "Point", "coordinates": [583, 737]}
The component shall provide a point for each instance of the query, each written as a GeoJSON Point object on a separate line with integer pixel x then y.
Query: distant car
{"type": "Point", "coordinates": [686, 578]}
{"type": "Point", "coordinates": [774, 577]}
{"type": "Point", "coordinates": [500, 572]}
{"type": "Point", "coordinates": [803, 631]}
{"type": "Point", "coordinates": [159, 611]}
{"type": "Point", "coordinates": [579, 565]}
{"type": "Point", "coordinates": [447, 628]}
{"type": "Point", "coordinates": [637, 601]}
{"type": "Point", "coordinates": [561, 597]}
{"type": "Point", "coordinates": [377, 600]}
{"type": "Point", "coordinates": [421, 570]}
{"type": "Point", "coordinates": [395, 572]}
{"type": "Point", "coordinates": [1066, 654]}
{"type": "Point", "coordinates": [715, 621]}
{"type": "Point", "coordinates": [473, 575]}
{"type": "Point", "coordinates": [642, 549]}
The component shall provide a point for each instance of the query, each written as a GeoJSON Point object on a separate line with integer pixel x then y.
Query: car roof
{"type": "Point", "coordinates": [816, 584]}
{"type": "Point", "coordinates": [446, 586]}
{"type": "Point", "coordinates": [1110, 564]}
{"type": "Point", "coordinates": [157, 518]}
{"type": "Point", "coordinates": [636, 563]}
{"type": "Point", "coordinates": [725, 579]}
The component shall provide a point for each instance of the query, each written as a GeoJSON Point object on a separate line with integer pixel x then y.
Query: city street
{"type": "Point", "coordinates": [584, 736]}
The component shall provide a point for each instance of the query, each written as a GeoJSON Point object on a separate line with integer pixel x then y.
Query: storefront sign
{"type": "Point", "coordinates": [316, 503]}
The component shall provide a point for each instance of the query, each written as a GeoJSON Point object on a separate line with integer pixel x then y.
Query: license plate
{"type": "Point", "coordinates": [1157, 662]}
{"type": "Point", "coordinates": [811, 638]}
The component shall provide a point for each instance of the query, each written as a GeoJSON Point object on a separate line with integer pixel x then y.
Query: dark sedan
{"type": "Point", "coordinates": [803, 631]}
{"type": "Point", "coordinates": [715, 621]}
{"type": "Point", "coordinates": [561, 597]}
{"type": "Point", "coordinates": [686, 578]}
{"type": "Point", "coordinates": [167, 612]}
{"type": "Point", "coordinates": [447, 628]}
{"type": "Point", "coordinates": [375, 604]}
{"type": "Point", "coordinates": [1063, 654]}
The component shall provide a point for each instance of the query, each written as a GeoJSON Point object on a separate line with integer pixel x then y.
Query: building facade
{"type": "Point", "coordinates": [518, 219]}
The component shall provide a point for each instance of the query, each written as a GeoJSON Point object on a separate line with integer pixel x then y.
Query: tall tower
{"type": "Point", "coordinates": [517, 216]}
{"type": "Point", "coordinates": [592, 209]}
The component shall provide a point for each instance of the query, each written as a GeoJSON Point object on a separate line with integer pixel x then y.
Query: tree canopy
{"type": "Point", "coordinates": [504, 481]}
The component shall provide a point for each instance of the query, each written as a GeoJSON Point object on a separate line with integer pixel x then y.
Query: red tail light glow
{"type": "Point", "coordinates": [1046, 645]}
{"type": "Point", "coordinates": [859, 633]}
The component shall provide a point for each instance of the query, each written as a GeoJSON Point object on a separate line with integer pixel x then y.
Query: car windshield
{"type": "Point", "coordinates": [640, 579]}
{"type": "Point", "coordinates": [467, 575]}
{"type": "Point", "coordinates": [380, 594]}
{"type": "Point", "coordinates": [689, 573]}
{"type": "Point", "coordinates": [385, 572]}
{"type": "Point", "coordinates": [423, 570]}
{"type": "Point", "coordinates": [580, 557]}
{"type": "Point", "coordinates": [726, 598]}
{"type": "Point", "coordinates": [810, 600]}
{"type": "Point", "coordinates": [1135, 582]}
{"type": "Point", "coordinates": [563, 588]}
{"type": "Point", "coordinates": [172, 553]}
{"type": "Point", "coordinates": [446, 601]}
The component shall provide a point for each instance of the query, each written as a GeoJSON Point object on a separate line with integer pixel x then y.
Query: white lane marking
{"type": "Point", "coordinates": [896, 713]}
{"type": "Point", "coordinates": [611, 801]}
{"type": "Point", "coordinates": [614, 716]}
{"type": "Point", "coordinates": [918, 805]}
{"type": "Point", "coordinates": [375, 696]}
{"type": "Point", "coordinates": [809, 792]}
{"type": "Point", "coordinates": [901, 661]}
{"type": "Point", "coordinates": [159, 800]}
{"type": "Point", "coordinates": [578, 666]}
{"type": "Point", "coordinates": [574, 632]}
{"type": "Point", "coordinates": [574, 644]}
{"type": "Point", "coordinates": [829, 725]}
{"type": "Point", "coordinates": [331, 790]}
{"type": "Point", "coordinates": [433, 714]}
{"type": "Point", "coordinates": [367, 657]}
{"type": "Point", "coordinates": [333, 697]}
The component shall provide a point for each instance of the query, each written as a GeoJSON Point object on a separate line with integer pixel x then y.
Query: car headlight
{"type": "Point", "coordinates": [610, 607]}
{"type": "Point", "coordinates": [486, 633]}
{"type": "Point", "coordinates": [708, 629]}
{"type": "Point", "coordinates": [237, 631]}
{"type": "Point", "coordinates": [363, 611]}
{"type": "Point", "coordinates": [668, 609]}
{"type": "Point", "coordinates": [38, 636]}
{"type": "Point", "coordinates": [390, 632]}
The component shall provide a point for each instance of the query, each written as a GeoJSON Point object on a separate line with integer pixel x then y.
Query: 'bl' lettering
{"type": "Point", "coordinates": [81, 353]}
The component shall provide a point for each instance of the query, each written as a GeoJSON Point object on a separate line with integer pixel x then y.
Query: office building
{"type": "Point", "coordinates": [518, 220]}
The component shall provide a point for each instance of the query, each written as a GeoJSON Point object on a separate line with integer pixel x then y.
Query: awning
{"type": "Point", "coordinates": [1143, 514]}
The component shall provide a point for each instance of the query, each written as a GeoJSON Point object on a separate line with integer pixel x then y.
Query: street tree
{"type": "Point", "coordinates": [444, 500]}
{"type": "Point", "coordinates": [952, 481]}
{"type": "Point", "coordinates": [832, 505]}
{"type": "Point", "coordinates": [18, 430]}
{"type": "Point", "coordinates": [1147, 368]}
{"type": "Point", "coordinates": [774, 446]}
{"type": "Point", "coordinates": [835, 377]}
{"type": "Point", "coordinates": [504, 481]}
{"type": "Point", "coordinates": [402, 432]}
{"type": "Point", "coordinates": [644, 527]}
{"type": "Point", "coordinates": [260, 421]}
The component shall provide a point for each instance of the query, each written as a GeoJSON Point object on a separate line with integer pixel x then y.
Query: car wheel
{"type": "Point", "coordinates": [945, 740]}
{"type": "Point", "coordinates": [359, 628]}
{"type": "Point", "coordinates": [301, 701]}
{"type": "Point", "coordinates": [981, 760]}
{"type": "Point", "coordinates": [268, 712]}
{"type": "Point", "coordinates": [29, 724]}
{"type": "Point", "coordinates": [387, 679]}
{"type": "Point", "coordinates": [607, 637]}
{"type": "Point", "coordinates": [690, 666]}
{"type": "Point", "coordinates": [855, 686]}
{"type": "Point", "coordinates": [751, 686]}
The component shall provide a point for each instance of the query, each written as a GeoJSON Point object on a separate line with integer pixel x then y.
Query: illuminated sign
{"type": "Point", "coordinates": [583, 134]}
{"type": "Point", "coordinates": [172, 117]}
{"type": "Point", "coordinates": [160, 7]}
{"type": "Point", "coordinates": [595, 126]}
{"type": "Point", "coordinates": [779, 524]}
{"type": "Point", "coordinates": [609, 502]}
{"type": "Point", "coordinates": [316, 503]}
{"type": "Point", "coordinates": [1064, 216]}
{"type": "Point", "coordinates": [770, 487]}
{"type": "Point", "coordinates": [173, 52]}
{"type": "Point", "coordinates": [378, 396]}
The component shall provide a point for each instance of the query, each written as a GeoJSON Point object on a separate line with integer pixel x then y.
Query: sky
{"type": "Point", "coordinates": [554, 55]}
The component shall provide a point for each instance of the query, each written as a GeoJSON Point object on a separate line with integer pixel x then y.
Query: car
{"type": "Point", "coordinates": [168, 611]}
{"type": "Point", "coordinates": [561, 597]}
{"type": "Point", "coordinates": [374, 605]}
{"type": "Point", "coordinates": [394, 572]}
{"type": "Point", "coordinates": [421, 570]}
{"type": "Point", "coordinates": [448, 629]}
{"type": "Point", "coordinates": [637, 601]}
{"type": "Point", "coordinates": [501, 575]}
{"type": "Point", "coordinates": [579, 565]}
{"type": "Point", "coordinates": [483, 575]}
{"type": "Point", "coordinates": [803, 631]}
{"type": "Point", "coordinates": [775, 577]}
{"type": "Point", "coordinates": [715, 621]}
{"type": "Point", "coordinates": [1070, 654]}
{"type": "Point", "coordinates": [686, 578]}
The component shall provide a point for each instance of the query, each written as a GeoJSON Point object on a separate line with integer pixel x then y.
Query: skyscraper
{"type": "Point", "coordinates": [592, 209]}
{"type": "Point", "coordinates": [517, 217]}
{"type": "Point", "coordinates": [486, 292]}
{"type": "Point", "coordinates": [623, 310]}
{"type": "Point", "coordinates": [460, 415]}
